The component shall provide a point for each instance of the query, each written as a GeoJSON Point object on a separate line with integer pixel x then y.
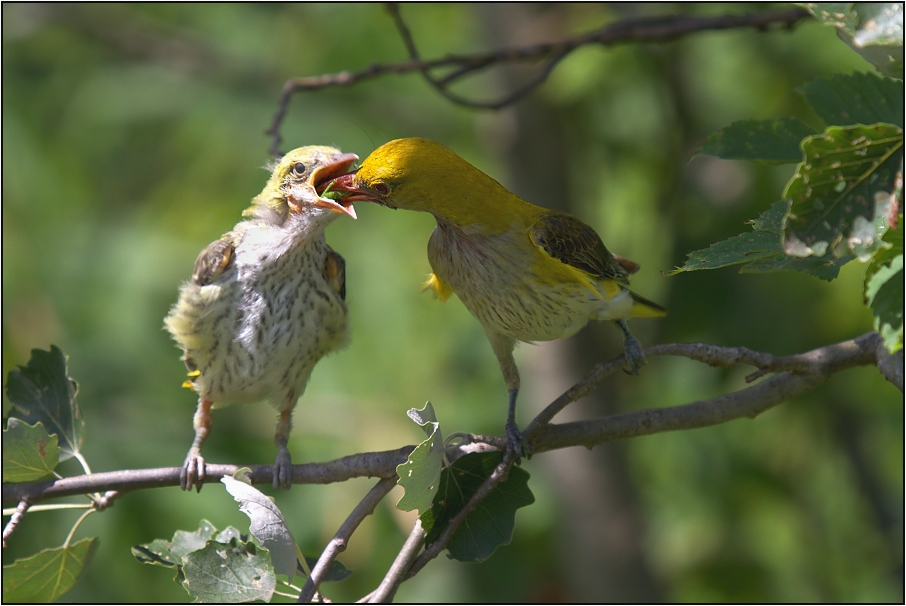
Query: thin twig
{"type": "Point", "coordinates": [657, 29]}
{"type": "Point", "coordinates": [18, 516]}
{"type": "Point", "coordinates": [387, 589]}
{"type": "Point", "coordinates": [339, 541]}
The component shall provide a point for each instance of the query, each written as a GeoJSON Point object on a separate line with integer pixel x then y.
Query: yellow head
{"type": "Point", "coordinates": [297, 181]}
{"type": "Point", "coordinates": [420, 174]}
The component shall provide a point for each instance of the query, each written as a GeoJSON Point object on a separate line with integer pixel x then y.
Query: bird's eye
{"type": "Point", "coordinates": [381, 188]}
{"type": "Point", "coordinates": [298, 169]}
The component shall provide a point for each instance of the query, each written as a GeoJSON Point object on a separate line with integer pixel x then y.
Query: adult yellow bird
{"type": "Point", "coordinates": [266, 301]}
{"type": "Point", "coordinates": [527, 273]}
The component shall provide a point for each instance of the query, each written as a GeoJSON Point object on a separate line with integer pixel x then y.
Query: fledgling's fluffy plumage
{"type": "Point", "coordinates": [266, 301]}
{"type": "Point", "coordinates": [525, 272]}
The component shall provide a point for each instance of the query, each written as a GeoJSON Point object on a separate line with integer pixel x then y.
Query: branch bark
{"type": "Point", "coordinates": [797, 374]}
{"type": "Point", "coordinates": [648, 29]}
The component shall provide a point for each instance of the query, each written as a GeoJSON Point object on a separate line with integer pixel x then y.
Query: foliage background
{"type": "Point", "coordinates": [133, 136]}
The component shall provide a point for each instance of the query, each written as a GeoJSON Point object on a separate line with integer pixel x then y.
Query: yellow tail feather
{"type": "Point", "coordinates": [643, 308]}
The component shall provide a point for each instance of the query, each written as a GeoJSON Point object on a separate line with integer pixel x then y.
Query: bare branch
{"type": "Point", "coordinates": [339, 541]}
{"type": "Point", "coordinates": [649, 29]}
{"type": "Point", "coordinates": [387, 589]}
{"type": "Point", "coordinates": [799, 374]}
{"type": "Point", "coordinates": [18, 515]}
{"type": "Point", "coordinates": [368, 464]}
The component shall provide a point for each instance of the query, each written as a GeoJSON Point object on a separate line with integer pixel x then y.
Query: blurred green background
{"type": "Point", "coordinates": [133, 136]}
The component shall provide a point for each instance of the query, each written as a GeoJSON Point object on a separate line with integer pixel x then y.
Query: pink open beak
{"type": "Point", "coordinates": [322, 176]}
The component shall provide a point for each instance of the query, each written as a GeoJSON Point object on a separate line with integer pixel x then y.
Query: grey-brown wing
{"type": "Point", "coordinates": [570, 241]}
{"type": "Point", "coordinates": [215, 259]}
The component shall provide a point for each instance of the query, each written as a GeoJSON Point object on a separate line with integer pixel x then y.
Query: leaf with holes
{"type": "Point", "coordinates": [839, 191]}
{"type": "Point", "coordinates": [420, 474]}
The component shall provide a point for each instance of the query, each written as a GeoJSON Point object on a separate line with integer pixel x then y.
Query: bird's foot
{"type": "Point", "coordinates": [283, 470]}
{"type": "Point", "coordinates": [517, 446]}
{"type": "Point", "coordinates": [193, 472]}
{"type": "Point", "coordinates": [635, 356]}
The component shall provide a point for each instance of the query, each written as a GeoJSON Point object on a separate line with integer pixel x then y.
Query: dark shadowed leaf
{"type": "Point", "coordinates": [43, 392]}
{"type": "Point", "coordinates": [773, 141]}
{"type": "Point", "coordinates": [491, 523]}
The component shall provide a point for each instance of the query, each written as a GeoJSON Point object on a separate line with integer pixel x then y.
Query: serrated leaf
{"type": "Point", "coordinates": [760, 251]}
{"type": "Point", "coordinates": [29, 452]}
{"type": "Point", "coordinates": [491, 523]}
{"type": "Point", "coordinates": [420, 474]}
{"type": "Point", "coordinates": [839, 191]}
{"type": "Point", "coordinates": [773, 141]}
{"type": "Point", "coordinates": [43, 392]}
{"type": "Point", "coordinates": [267, 524]}
{"type": "Point", "coordinates": [229, 573]}
{"type": "Point", "coordinates": [171, 553]}
{"type": "Point", "coordinates": [872, 29]}
{"type": "Point", "coordinates": [47, 575]}
{"type": "Point", "coordinates": [884, 289]}
{"type": "Point", "coordinates": [858, 98]}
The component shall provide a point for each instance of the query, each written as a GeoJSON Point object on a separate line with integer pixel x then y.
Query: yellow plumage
{"type": "Point", "coordinates": [525, 272]}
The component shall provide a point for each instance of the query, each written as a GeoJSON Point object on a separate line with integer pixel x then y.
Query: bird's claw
{"type": "Point", "coordinates": [517, 446]}
{"type": "Point", "coordinates": [193, 472]}
{"type": "Point", "coordinates": [635, 356]}
{"type": "Point", "coordinates": [283, 470]}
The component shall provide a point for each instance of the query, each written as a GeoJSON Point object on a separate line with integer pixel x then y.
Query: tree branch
{"type": "Point", "coordinates": [338, 543]}
{"type": "Point", "coordinates": [646, 29]}
{"type": "Point", "coordinates": [401, 565]}
{"type": "Point", "coordinates": [798, 374]}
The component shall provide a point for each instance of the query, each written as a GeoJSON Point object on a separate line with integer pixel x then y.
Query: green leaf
{"type": "Point", "coordinates": [773, 141]}
{"type": "Point", "coordinates": [420, 474]}
{"type": "Point", "coordinates": [47, 575]}
{"type": "Point", "coordinates": [29, 453]}
{"type": "Point", "coordinates": [491, 523]}
{"type": "Point", "coordinates": [841, 191]}
{"type": "Point", "coordinates": [336, 572]}
{"type": "Point", "coordinates": [267, 525]}
{"type": "Point", "coordinates": [872, 29]}
{"type": "Point", "coordinates": [229, 572]}
{"type": "Point", "coordinates": [43, 392]}
{"type": "Point", "coordinates": [843, 100]}
{"type": "Point", "coordinates": [761, 251]}
{"type": "Point", "coordinates": [884, 289]}
{"type": "Point", "coordinates": [171, 553]}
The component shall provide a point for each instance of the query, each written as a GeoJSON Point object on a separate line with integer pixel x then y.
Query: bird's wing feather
{"type": "Point", "coordinates": [335, 271]}
{"type": "Point", "coordinates": [565, 238]}
{"type": "Point", "coordinates": [215, 259]}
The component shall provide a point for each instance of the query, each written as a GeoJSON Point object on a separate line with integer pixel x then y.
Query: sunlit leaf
{"type": "Point", "coordinates": [420, 474]}
{"type": "Point", "coordinates": [884, 289]}
{"type": "Point", "coordinates": [47, 575]}
{"type": "Point", "coordinates": [229, 573]}
{"type": "Point", "coordinates": [29, 453]}
{"type": "Point", "coordinates": [267, 524]}
{"type": "Point", "coordinates": [840, 192]}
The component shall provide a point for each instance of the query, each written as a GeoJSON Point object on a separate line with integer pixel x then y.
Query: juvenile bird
{"type": "Point", "coordinates": [526, 273]}
{"type": "Point", "coordinates": [266, 301]}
